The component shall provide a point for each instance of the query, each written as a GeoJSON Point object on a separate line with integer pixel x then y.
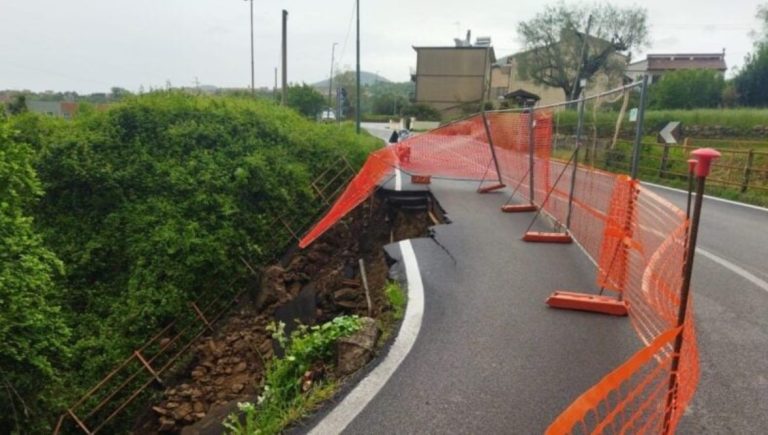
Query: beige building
{"type": "Point", "coordinates": [656, 65]}
{"type": "Point", "coordinates": [452, 78]}
{"type": "Point", "coordinates": [506, 78]}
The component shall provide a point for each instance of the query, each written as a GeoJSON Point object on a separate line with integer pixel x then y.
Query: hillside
{"type": "Point", "coordinates": [366, 79]}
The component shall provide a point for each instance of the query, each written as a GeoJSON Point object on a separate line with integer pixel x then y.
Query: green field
{"type": "Point", "coordinates": [727, 179]}
{"type": "Point", "coordinates": [731, 127]}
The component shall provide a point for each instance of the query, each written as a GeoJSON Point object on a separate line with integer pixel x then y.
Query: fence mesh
{"type": "Point", "coordinates": [636, 238]}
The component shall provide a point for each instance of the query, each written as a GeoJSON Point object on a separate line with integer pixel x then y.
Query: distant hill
{"type": "Point", "coordinates": [366, 79]}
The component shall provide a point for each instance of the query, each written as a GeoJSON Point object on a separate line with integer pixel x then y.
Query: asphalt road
{"type": "Point", "coordinates": [731, 308]}
{"type": "Point", "coordinates": [377, 129]}
{"type": "Point", "coordinates": [491, 358]}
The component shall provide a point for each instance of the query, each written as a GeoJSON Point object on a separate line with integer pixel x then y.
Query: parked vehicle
{"type": "Point", "coordinates": [327, 115]}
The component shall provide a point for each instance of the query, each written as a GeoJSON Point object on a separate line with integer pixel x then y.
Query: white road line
{"type": "Point", "coordinates": [398, 180]}
{"type": "Point", "coordinates": [366, 390]}
{"type": "Point", "coordinates": [714, 198]}
{"type": "Point", "coordinates": [735, 269]}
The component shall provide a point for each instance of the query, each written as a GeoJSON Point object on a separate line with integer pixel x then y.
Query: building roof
{"type": "Point", "coordinates": [673, 61]}
{"type": "Point", "coordinates": [450, 47]}
{"type": "Point", "coordinates": [521, 94]}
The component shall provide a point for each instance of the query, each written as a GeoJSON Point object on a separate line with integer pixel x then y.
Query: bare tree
{"type": "Point", "coordinates": [567, 42]}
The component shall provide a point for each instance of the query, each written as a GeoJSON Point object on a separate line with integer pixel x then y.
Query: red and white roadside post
{"type": "Point", "coordinates": [703, 165]}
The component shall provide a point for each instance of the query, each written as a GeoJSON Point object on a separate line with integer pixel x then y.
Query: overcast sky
{"type": "Point", "coordinates": [91, 45]}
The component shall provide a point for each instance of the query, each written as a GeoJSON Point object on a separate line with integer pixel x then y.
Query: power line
{"type": "Point", "coordinates": [349, 30]}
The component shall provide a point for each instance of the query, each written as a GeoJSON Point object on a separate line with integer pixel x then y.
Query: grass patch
{"type": "Point", "coordinates": [396, 299]}
{"type": "Point", "coordinates": [282, 400]}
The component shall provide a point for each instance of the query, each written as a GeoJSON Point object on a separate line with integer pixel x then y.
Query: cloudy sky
{"type": "Point", "coordinates": [91, 45]}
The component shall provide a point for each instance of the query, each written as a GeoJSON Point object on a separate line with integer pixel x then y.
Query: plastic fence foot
{"type": "Point", "coordinates": [487, 189]}
{"type": "Point", "coordinates": [539, 237]}
{"type": "Point", "coordinates": [586, 302]}
{"type": "Point", "coordinates": [518, 208]}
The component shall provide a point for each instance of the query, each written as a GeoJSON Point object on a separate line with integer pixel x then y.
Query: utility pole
{"type": "Point", "coordinates": [253, 80]}
{"type": "Point", "coordinates": [330, 81]}
{"type": "Point", "coordinates": [285, 57]}
{"type": "Point", "coordinates": [638, 144]}
{"type": "Point", "coordinates": [357, 108]}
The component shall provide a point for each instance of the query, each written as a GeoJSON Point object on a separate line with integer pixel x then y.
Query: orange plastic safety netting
{"type": "Point", "coordinates": [375, 169]}
{"type": "Point", "coordinates": [636, 239]}
{"type": "Point", "coordinates": [512, 140]}
{"type": "Point", "coordinates": [640, 396]}
{"type": "Point", "coordinates": [457, 150]}
{"type": "Point", "coordinates": [640, 254]}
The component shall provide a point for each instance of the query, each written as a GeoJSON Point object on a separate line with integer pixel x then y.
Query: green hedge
{"type": "Point", "coordinates": [154, 203]}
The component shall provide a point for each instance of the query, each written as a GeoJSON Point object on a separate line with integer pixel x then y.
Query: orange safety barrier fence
{"type": "Point", "coordinates": [458, 150]}
{"type": "Point", "coordinates": [633, 398]}
{"type": "Point", "coordinates": [378, 165]}
{"type": "Point", "coordinates": [512, 141]}
{"type": "Point", "coordinates": [636, 239]}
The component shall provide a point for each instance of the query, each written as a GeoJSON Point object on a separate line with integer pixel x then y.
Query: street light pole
{"type": "Point", "coordinates": [253, 80]}
{"type": "Point", "coordinates": [330, 82]}
{"type": "Point", "coordinates": [357, 87]}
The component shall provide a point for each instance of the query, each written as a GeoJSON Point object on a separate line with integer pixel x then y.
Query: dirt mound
{"type": "Point", "coordinates": [229, 365]}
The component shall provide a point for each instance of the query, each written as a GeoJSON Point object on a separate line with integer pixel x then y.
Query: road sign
{"type": "Point", "coordinates": [670, 134]}
{"type": "Point", "coordinates": [633, 114]}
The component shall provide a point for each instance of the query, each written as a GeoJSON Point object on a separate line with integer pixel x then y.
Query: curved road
{"type": "Point", "coordinates": [490, 358]}
{"type": "Point", "coordinates": [730, 291]}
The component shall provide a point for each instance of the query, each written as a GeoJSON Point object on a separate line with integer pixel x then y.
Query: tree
{"type": "Point", "coordinates": [751, 82]}
{"type": "Point", "coordinates": [688, 89]}
{"type": "Point", "coordinates": [118, 93]}
{"type": "Point", "coordinates": [387, 104]}
{"type": "Point", "coordinates": [305, 99]}
{"type": "Point", "coordinates": [18, 105]}
{"type": "Point", "coordinates": [558, 51]}
{"type": "Point", "coordinates": [761, 36]}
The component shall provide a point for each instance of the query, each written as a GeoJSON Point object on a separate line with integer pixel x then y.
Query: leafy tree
{"type": "Point", "coordinates": [118, 93]}
{"type": "Point", "coordinates": [554, 40]}
{"type": "Point", "coordinates": [305, 99]}
{"type": "Point", "coordinates": [18, 105]}
{"type": "Point", "coordinates": [388, 104]}
{"type": "Point", "coordinates": [347, 80]}
{"type": "Point", "coordinates": [751, 82]}
{"type": "Point", "coordinates": [33, 334]}
{"type": "Point", "coordinates": [688, 89]}
{"type": "Point", "coordinates": [761, 36]}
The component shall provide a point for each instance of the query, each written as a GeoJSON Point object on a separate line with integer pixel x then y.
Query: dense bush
{"type": "Point", "coordinates": [687, 89]}
{"type": "Point", "coordinates": [34, 338]}
{"type": "Point", "coordinates": [421, 112]}
{"type": "Point", "coordinates": [305, 99]}
{"type": "Point", "coordinates": [154, 203]}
